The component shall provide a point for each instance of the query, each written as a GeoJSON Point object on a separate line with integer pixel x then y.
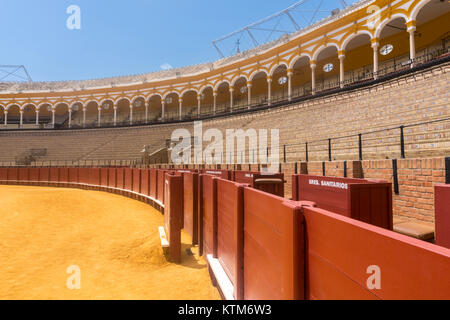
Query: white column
{"type": "Point", "coordinates": [21, 118]}
{"type": "Point", "coordinates": [6, 117]}
{"type": "Point", "coordinates": [147, 104]}
{"type": "Point", "coordinates": [341, 68]}
{"type": "Point", "coordinates": [99, 116]}
{"type": "Point", "coordinates": [180, 107]}
{"type": "Point", "coordinates": [199, 104]}
{"type": "Point", "coordinates": [412, 42]}
{"type": "Point", "coordinates": [84, 116]}
{"type": "Point", "coordinates": [37, 116]}
{"type": "Point", "coordinates": [375, 45]}
{"type": "Point", "coordinates": [163, 114]}
{"type": "Point", "coordinates": [115, 115]}
{"type": "Point", "coordinates": [70, 117]}
{"type": "Point", "coordinates": [53, 117]}
{"type": "Point", "coordinates": [269, 89]}
{"type": "Point", "coordinates": [313, 76]}
{"type": "Point", "coordinates": [215, 102]}
{"type": "Point", "coordinates": [231, 98]}
{"type": "Point", "coordinates": [131, 113]}
{"type": "Point", "coordinates": [290, 73]}
{"type": "Point", "coordinates": [249, 93]}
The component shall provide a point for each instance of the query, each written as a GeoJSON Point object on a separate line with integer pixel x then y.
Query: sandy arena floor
{"type": "Point", "coordinates": [112, 239]}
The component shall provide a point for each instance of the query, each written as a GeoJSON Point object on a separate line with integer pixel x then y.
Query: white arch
{"type": "Point", "coordinates": [137, 97]}
{"type": "Point", "coordinates": [189, 90]}
{"type": "Point", "coordinates": [75, 102]}
{"type": "Point", "coordinates": [297, 58]}
{"type": "Point", "coordinates": [381, 26]}
{"type": "Point", "coordinates": [235, 79]}
{"type": "Point", "coordinates": [151, 95]}
{"type": "Point", "coordinates": [169, 93]}
{"type": "Point", "coordinates": [219, 83]}
{"type": "Point", "coordinates": [323, 47]}
{"type": "Point", "coordinates": [252, 76]}
{"type": "Point", "coordinates": [13, 104]}
{"type": "Point", "coordinates": [106, 99]}
{"type": "Point", "coordinates": [202, 89]}
{"type": "Point", "coordinates": [275, 67]}
{"type": "Point", "coordinates": [417, 8]}
{"type": "Point", "coordinates": [122, 98]}
{"type": "Point", "coordinates": [353, 36]}
{"type": "Point", "coordinates": [29, 104]}
{"type": "Point", "coordinates": [43, 104]}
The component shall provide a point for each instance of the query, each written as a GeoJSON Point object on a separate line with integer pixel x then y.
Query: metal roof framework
{"type": "Point", "coordinates": [14, 73]}
{"type": "Point", "coordinates": [290, 20]}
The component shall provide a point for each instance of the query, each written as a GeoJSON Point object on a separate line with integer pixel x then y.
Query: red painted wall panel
{"type": "Point", "coordinates": [190, 205]}
{"type": "Point", "coordinates": [442, 215]}
{"type": "Point", "coordinates": [208, 215]}
{"type": "Point", "coordinates": [23, 174]}
{"type": "Point", "coordinates": [33, 174]}
{"type": "Point", "coordinates": [64, 175]}
{"type": "Point", "coordinates": [153, 183]}
{"type": "Point", "coordinates": [128, 179]}
{"type": "Point", "coordinates": [340, 251]}
{"type": "Point", "coordinates": [120, 178]}
{"type": "Point", "coordinates": [104, 177]}
{"type": "Point", "coordinates": [173, 215]}
{"type": "Point", "coordinates": [73, 175]}
{"type": "Point", "coordinates": [273, 247]}
{"type": "Point", "coordinates": [369, 201]}
{"type": "Point", "coordinates": [54, 175]}
{"type": "Point", "coordinates": [145, 182]}
{"type": "Point", "coordinates": [44, 174]}
{"type": "Point", "coordinates": [13, 174]}
{"type": "Point", "coordinates": [230, 242]}
{"type": "Point", "coordinates": [3, 174]}
{"type": "Point", "coordinates": [137, 180]}
{"type": "Point", "coordinates": [112, 177]}
{"type": "Point", "coordinates": [94, 176]}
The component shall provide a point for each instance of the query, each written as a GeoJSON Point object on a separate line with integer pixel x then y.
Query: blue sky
{"type": "Point", "coordinates": [120, 37]}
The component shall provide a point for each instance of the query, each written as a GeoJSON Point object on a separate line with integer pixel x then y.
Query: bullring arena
{"type": "Point", "coordinates": [357, 208]}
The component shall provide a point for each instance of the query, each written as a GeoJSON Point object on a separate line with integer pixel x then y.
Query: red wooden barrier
{"type": "Point", "coordinates": [23, 174]}
{"type": "Point", "coordinates": [83, 175]}
{"type": "Point", "coordinates": [173, 215]}
{"type": "Point", "coordinates": [54, 175]}
{"type": "Point", "coordinates": [3, 174]}
{"type": "Point", "coordinates": [190, 205]}
{"type": "Point", "coordinates": [442, 214]}
{"type": "Point", "coordinates": [73, 175]}
{"type": "Point", "coordinates": [230, 235]}
{"type": "Point", "coordinates": [33, 175]}
{"type": "Point", "coordinates": [128, 179]}
{"type": "Point", "coordinates": [208, 215]}
{"type": "Point", "coordinates": [64, 175]}
{"type": "Point", "coordinates": [273, 247]}
{"type": "Point", "coordinates": [137, 180]}
{"type": "Point", "coordinates": [153, 183]}
{"type": "Point", "coordinates": [13, 174]}
{"type": "Point", "coordinates": [120, 178]}
{"type": "Point", "coordinates": [160, 185]}
{"type": "Point", "coordinates": [145, 182]}
{"type": "Point", "coordinates": [94, 176]}
{"type": "Point", "coordinates": [270, 183]}
{"type": "Point", "coordinates": [345, 257]}
{"type": "Point", "coordinates": [112, 177]}
{"type": "Point", "coordinates": [104, 177]}
{"type": "Point", "coordinates": [44, 174]}
{"type": "Point", "coordinates": [369, 201]}
{"type": "Point", "coordinates": [223, 174]}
